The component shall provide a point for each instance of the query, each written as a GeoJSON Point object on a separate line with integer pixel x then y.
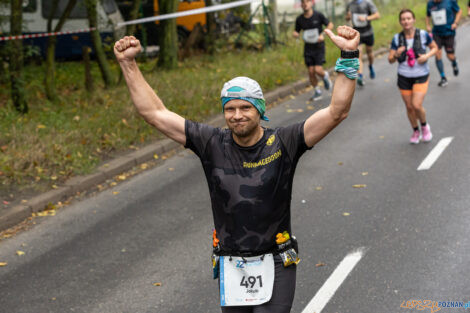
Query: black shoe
{"type": "Point", "coordinates": [443, 82]}
{"type": "Point", "coordinates": [456, 70]}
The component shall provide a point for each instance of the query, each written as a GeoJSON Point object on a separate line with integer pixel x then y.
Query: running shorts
{"type": "Point", "coordinates": [315, 57]}
{"type": "Point", "coordinates": [448, 42]}
{"type": "Point", "coordinates": [408, 85]}
{"type": "Point", "coordinates": [283, 292]}
{"type": "Point", "coordinates": [367, 40]}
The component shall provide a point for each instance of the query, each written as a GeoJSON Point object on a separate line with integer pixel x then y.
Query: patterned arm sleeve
{"type": "Point", "coordinates": [197, 136]}
{"type": "Point", "coordinates": [293, 139]}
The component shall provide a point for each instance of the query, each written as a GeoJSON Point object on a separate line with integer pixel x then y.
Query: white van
{"type": "Point", "coordinates": [35, 15]}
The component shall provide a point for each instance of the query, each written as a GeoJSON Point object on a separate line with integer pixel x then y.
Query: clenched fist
{"type": "Point", "coordinates": [127, 48]}
{"type": "Point", "coordinates": [347, 38]}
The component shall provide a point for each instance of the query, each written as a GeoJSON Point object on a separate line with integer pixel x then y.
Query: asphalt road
{"type": "Point", "coordinates": [105, 253]}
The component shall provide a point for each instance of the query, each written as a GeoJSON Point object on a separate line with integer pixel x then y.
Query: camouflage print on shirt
{"type": "Point", "coordinates": [250, 187]}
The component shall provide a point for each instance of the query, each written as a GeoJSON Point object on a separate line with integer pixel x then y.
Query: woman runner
{"type": "Point", "coordinates": [409, 49]}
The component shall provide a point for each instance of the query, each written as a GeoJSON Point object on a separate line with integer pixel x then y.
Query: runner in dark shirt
{"type": "Point", "coordinates": [249, 169]}
{"type": "Point", "coordinates": [311, 24]}
{"type": "Point", "coordinates": [445, 16]}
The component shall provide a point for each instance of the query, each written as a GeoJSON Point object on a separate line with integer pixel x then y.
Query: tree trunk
{"type": "Point", "coordinates": [168, 58]}
{"type": "Point", "coordinates": [133, 14]}
{"type": "Point", "coordinates": [97, 44]}
{"type": "Point", "coordinates": [211, 28]}
{"type": "Point", "coordinates": [51, 44]}
{"type": "Point", "coordinates": [16, 58]}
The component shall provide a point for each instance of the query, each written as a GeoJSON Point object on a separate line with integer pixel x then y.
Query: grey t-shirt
{"type": "Point", "coordinates": [364, 8]}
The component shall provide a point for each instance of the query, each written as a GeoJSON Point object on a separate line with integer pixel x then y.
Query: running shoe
{"type": "Point", "coordinates": [456, 69]}
{"type": "Point", "coordinates": [317, 95]}
{"type": "Point", "coordinates": [360, 81]}
{"type": "Point", "coordinates": [372, 72]}
{"type": "Point", "coordinates": [426, 131]}
{"type": "Point", "coordinates": [443, 82]}
{"type": "Point", "coordinates": [327, 82]}
{"type": "Point", "coordinates": [416, 137]}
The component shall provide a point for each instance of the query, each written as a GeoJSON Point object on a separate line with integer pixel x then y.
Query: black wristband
{"type": "Point", "coordinates": [349, 54]}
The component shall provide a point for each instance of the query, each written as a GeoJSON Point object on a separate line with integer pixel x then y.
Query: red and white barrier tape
{"type": "Point", "coordinates": [212, 8]}
{"type": "Point", "coordinates": [39, 35]}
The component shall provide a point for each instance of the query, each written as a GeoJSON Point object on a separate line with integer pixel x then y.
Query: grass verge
{"type": "Point", "coordinates": [72, 135]}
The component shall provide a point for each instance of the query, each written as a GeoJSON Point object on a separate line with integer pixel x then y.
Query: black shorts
{"type": "Point", "coordinates": [283, 292]}
{"type": "Point", "coordinates": [367, 40]}
{"type": "Point", "coordinates": [315, 56]}
{"type": "Point", "coordinates": [445, 41]}
{"type": "Point", "coordinates": [406, 83]}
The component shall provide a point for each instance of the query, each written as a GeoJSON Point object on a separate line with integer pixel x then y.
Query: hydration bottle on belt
{"type": "Point", "coordinates": [215, 257]}
{"type": "Point", "coordinates": [285, 246]}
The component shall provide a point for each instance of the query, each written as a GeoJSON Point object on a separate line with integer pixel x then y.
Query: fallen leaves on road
{"type": "Point", "coordinates": [171, 169]}
{"type": "Point", "coordinates": [157, 284]}
{"type": "Point", "coordinates": [3, 264]}
{"type": "Point", "coordinates": [143, 166]}
{"type": "Point", "coordinates": [294, 110]}
{"type": "Point", "coordinates": [340, 163]}
{"type": "Point", "coordinates": [122, 177]}
{"type": "Point", "coordinates": [319, 188]}
{"type": "Point", "coordinates": [45, 213]}
{"type": "Point", "coordinates": [359, 186]}
{"type": "Point", "coordinates": [49, 211]}
{"type": "Point", "coordinates": [365, 173]}
{"type": "Point", "coordinates": [310, 107]}
{"type": "Point", "coordinates": [155, 156]}
{"type": "Point", "coordinates": [320, 264]}
{"type": "Point", "coordinates": [346, 214]}
{"type": "Point", "coordinates": [115, 192]}
{"type": "Point", "coordinates": [18, 252]}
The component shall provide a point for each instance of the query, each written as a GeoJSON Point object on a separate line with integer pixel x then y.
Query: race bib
{"type": "Point", "coordinates": [439, 17]}
{"type": "Point", "coordinates": [246, 281]}
{"type": "Point", "coordinates": [311, 35]}
{"type": "Point", "coordinates": [357, 22]}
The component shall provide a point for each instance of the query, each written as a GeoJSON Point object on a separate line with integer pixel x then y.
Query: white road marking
{"type": "Point", "coordinates": [329, 288]}
{"type": "Point", "coordinates": [435, 153]}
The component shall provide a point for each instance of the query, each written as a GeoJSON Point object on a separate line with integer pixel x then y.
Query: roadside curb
{"type": "Point", "coordinates": [16, 214]}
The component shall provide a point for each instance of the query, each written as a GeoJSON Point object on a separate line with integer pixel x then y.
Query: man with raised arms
{"type": "Point", "coordinates": [249, 170]}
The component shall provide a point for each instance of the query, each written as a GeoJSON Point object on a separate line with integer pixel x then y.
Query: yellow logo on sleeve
{"type": "Point", "coordinates": [270, 140]}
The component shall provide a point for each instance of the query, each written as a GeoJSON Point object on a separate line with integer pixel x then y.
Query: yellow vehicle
{"type": "Point", "coordinates": [186, 23]}
{"type": "Point", "coordinates": [149, 8]}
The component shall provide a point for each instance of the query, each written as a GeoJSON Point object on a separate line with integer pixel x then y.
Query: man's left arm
{"type": "Point", "coordinates": [458, 15]}
{"type": "Point", "coordinates": [374, 12]}
{"type": "Point", "coordinates": [322, 122]}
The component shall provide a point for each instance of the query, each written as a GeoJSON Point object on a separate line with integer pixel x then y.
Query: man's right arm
{"type": "Point", "coordinates": [146, 101]}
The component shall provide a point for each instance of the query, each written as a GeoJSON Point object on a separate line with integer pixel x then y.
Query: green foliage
{"type": "Point", "coordinates": [72, 135]}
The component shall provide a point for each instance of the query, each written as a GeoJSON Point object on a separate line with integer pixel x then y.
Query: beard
{"type": "Point", "coordinates": [243, 132]}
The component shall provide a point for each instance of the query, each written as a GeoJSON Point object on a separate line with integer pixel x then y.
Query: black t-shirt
{"type": "Point", "coordinates": [317, 20]}
{"type": "Point", "coordinates": [250, 187]}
